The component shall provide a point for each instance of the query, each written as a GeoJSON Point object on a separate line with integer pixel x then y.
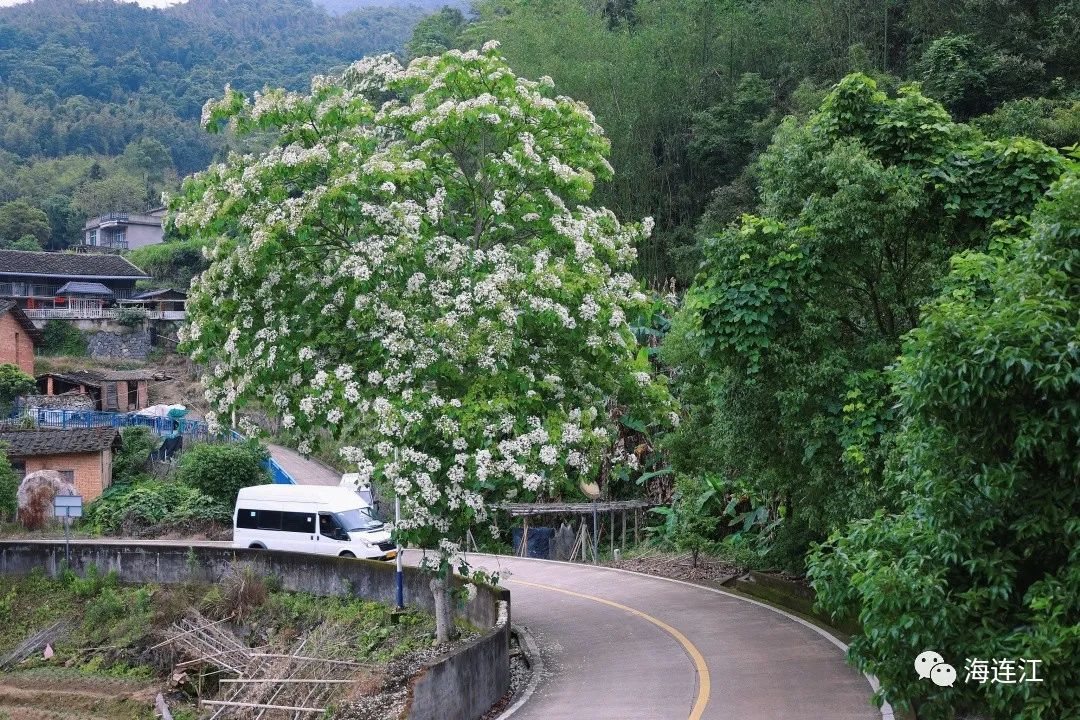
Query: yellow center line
{"type": "Point", "coordinates": [704, 682]}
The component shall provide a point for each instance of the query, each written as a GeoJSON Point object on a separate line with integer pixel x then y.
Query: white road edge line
{"type": "Point", "coordinates": [886, 708]}
{"type": "Point", "coordinates": [536, 666]}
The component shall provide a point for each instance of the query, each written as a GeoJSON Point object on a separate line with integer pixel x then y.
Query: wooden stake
{"type": "Point", "coordinates": [624, 531]}
{"type": "Point", "coordinates": [611, 527]}
{"type": "Point", "coordinates": [635, 527]}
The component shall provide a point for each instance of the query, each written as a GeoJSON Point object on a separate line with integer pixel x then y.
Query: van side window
{"type": "Point", "coordinates": [247, 519]}
{"type": "Point", "coordinates": [298, 522]}
{"type": "Point", "coordinates": [269, 519]}
{"type": "Point", "coordinates": [329, 527]}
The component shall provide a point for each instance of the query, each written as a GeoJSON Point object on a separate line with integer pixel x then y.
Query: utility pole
{"type": "Point", "coordinates": [400, 592]}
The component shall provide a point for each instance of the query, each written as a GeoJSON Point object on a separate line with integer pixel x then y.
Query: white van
{"type": "Point", "coordinates": [312, 519]}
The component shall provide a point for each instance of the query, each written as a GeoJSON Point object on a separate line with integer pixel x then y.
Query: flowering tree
{"type": "Point", "coordinates": [405, 268]}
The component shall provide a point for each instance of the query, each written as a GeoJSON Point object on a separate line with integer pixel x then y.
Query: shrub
{"type": "Point", "coordinates": [133, 460]}
{"type": "Point", "coordinates": [221, 470]}
{"type": "Point", "coordinates": [131, 317]}
{"type": "Point", "coordinates": [9, 487]}
{"type": "Point", "coordinates": [238, 593]}
{"type": "Point", "coordinates": [690, 525]}
{"type": "Point", "coordinates": [13, 383]}
{"type": "Point", "coordinates": [62, 338]}
{"type": "Point", "coordinates": [983, 558]}
{"type": "Point", "coordinates": [150, 504]}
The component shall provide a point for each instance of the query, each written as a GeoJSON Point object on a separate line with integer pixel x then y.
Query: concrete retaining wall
{"type": "Point", "coordinates": [460, 686]}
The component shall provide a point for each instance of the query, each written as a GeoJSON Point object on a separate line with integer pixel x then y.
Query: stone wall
{"type": "Point", "coordinates": [462, 685]}
{"type": "Point", "coordinates": [127, 346]}
{"type": "Point", "coordinates": [67, 401]}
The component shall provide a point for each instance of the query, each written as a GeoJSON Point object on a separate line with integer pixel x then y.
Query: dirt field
{"type": "Point", "coordinates": [58, 695]}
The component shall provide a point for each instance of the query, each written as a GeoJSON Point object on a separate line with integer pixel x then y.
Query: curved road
{"type": "Point", "coordinates": [618, 645]}
{"type": "Point", "coordinates": [623, 646]}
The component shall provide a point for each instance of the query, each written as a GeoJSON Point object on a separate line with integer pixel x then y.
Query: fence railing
{"type": "Point", "coordinates": [193, 430]}
{"type": "Point", "coordinates": [196, 430]}
{"type": "Point", "coordinates": [72, 313]}
{"type": "Point", "coordinates": [97, 314]}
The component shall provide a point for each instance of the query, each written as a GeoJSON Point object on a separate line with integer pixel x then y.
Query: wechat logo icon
{"type": "Point", "coordinates": [930, 664]}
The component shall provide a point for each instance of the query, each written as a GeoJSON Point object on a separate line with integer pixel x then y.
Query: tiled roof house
{"type": "Point", "coordinates": [46, 280]}
{"type": "Point", "coordinates": [84, 455]}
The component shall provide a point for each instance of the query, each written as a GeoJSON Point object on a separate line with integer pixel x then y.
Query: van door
{"type": "Point", "coordinates": [298, 531]}
{"type": "Point", "coordinates": [331, 539]}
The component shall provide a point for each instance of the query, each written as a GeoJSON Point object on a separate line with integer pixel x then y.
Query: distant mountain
{"type": "Point", "coordinates": [93, 76]}
{"type": "Point", "coordinates": [85, 83]}
{"type": "Point", "coordinates": [340, 7]}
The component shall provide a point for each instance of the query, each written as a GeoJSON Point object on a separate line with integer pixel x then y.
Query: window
{"type": "Point", "coordinates": [247, 519]}
{"type": "Point", "coordinates": [269, 520]}
{"type": "Point", "coordinates": [298, 522]}
{"type": "Point", "coordinates": [68, 475]}
{"type": "Point", "coordinates": [329, 527]}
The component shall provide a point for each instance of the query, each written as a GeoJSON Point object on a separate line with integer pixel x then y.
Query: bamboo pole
{"type": "Point", "coordinates": [242, 681]}
{"type": "Point", "coordinates": [290, 708]}
{"type": "Point", "coordinates": [313, 659]}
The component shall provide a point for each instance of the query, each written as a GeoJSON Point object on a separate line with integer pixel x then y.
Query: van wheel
{"type": "Point", "coordinates": [347, 554]}
{"type": "Point", "coordinates": [257, 546]}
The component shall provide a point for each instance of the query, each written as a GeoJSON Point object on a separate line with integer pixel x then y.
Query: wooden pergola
{"type": "Point", "coordinates": [595, 508]}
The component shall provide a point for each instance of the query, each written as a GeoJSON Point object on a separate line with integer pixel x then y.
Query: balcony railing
{"type": "Point", "coordinates": [97, 314]}
{"type": "Point", "coordinates": [72, 313]}
{"type": "Point", "coordinates": [27, 290]}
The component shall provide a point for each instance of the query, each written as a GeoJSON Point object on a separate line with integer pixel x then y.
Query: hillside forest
{"type": "Point", "coordinates": [100, 101]}
{"type": "Point", "coordinates": [867, 215]}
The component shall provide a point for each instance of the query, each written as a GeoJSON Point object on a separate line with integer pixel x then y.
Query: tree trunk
{"type": "Point", "coordinates": [445, 629]}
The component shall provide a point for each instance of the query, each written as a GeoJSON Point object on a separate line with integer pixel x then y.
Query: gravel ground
{"type": "Point", "coordinates": [679, 567]}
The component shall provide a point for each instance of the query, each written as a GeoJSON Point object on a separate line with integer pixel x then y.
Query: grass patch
{"type": "Point", "coordinates": [113, 627]}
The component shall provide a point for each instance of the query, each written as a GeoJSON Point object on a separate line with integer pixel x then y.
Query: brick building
{"type": "Point", "coordinates": [18, 336]}
{"type": "Point", "coordinates": [110, 390]}
{"type": "Point", "coordinates": [83, 455]}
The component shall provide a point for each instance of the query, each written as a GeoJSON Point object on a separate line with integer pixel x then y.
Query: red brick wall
{"type": "Point", "coordinates": [16, 347]}
{"type": "Point", "coordinates": [92, 470]}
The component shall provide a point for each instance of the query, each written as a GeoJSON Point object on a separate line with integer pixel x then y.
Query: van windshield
{"type": "Point", "coordinates": [358, 519]}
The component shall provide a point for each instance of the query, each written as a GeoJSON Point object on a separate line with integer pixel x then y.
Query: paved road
{"type": "Point", "coordinates": [623, 646]}
{"type": "Point", "coordinates": [304, 471]}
